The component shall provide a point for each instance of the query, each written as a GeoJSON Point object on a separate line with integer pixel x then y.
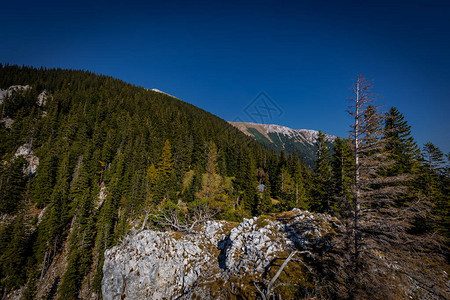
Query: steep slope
{"type": "Point", "coordinates": [279, 138]}
{"type": "Point", "coordinates": [83, 157]}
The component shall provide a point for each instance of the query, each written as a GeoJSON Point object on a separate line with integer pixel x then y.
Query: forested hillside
{"type": "Point", "coordinates": [107, 154]}
{"type": "Point", "coordinates": [86, 157]}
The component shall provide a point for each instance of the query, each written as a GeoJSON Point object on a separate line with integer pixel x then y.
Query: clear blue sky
{"type": "Point", "coordinates": [219, 55]}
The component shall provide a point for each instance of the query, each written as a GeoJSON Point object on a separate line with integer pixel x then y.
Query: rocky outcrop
{"type": "Point", "coordinates": [42, 98]}
{"type": "Point", "coordinates": [11, 90]}
{"type": "Point", "coordinates": [7, 122]}
{"type": "Point", "coordinates": [14, 90]}
{"type": "Point", "coordinates": [33, 161]}
{"type": "Point", "coordinates": [212, 264]}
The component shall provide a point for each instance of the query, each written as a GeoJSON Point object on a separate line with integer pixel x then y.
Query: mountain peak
{"type": "Point", "coordinates": [278, 137]}
{"type": "Point", "coordinates": [309, 134]}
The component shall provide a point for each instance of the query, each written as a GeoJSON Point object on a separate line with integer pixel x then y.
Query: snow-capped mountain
{"type": "Point", "coordinates": [279, 138]}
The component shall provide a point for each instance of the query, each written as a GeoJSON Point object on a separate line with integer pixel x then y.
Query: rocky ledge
{"type": "Point", "coordinates": [221, 260]}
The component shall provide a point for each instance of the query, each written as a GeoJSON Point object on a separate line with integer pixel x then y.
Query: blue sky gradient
{"type": "Point", "coordinates": [220, 55]}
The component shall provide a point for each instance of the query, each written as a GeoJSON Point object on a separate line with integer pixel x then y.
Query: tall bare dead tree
{"type": "Point", "coordinates": [362, 98]}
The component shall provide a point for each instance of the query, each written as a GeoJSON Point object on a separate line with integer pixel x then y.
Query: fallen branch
{"type": "Point", "coordinates": [266, 292]}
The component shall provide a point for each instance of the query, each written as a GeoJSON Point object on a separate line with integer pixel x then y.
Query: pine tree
{"type": "Point", "coordinates": [12, 185]}
{"type": "Point", "coordinates": [45, 178]}
{"type": "Point", "coordinates": [288, 189]}
{"type": "Point", "coordinates": [80, 255]}
{"type": "Point", "coordinates": [297, 170]}
{"type": "Point", "coordinates": [246, 181]}
{"type": "Point", "coordinates": [434, 158]}
{"type": "Point", "coordinates": [80, 182]}
{"type": "Point", "coordinates": [211, 181]}
{"type": "Point", "coordinates": [342, 170]}
{"type": "Point", "coordinates": [435, 183]}
{"type": "Point", "coordinates": [52, 230]}
{"type": "Point", "coordinates": [13, 256]}
{"type": "Point", "coordinates": [151, 180]}
{"type": "Point", "coordinates": [444, 214]}
{"type": "Point", "coordinates": [322, 176]}
{"type": "Point", "coordinates": [400, 144]}
{"type": "Point", "coordinates": [266, 201]}
{"type": "Point", "coordinates": [165, 171]}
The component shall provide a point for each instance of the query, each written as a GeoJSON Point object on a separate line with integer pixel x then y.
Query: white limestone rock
{"type": "Point", "coordinates": [11, 90]}
{"type": "Point", "coordinates": [167, 265]}
{"type": "Point", "coordinates": [42, 98]}
{"type": "Point", "coordinates": [33, 161]}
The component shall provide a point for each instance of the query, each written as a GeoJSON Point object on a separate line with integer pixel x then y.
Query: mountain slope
{"type": "Point", "coordinates": [83, 157]}
{"type": "Point", "coordinates": [279, 138]}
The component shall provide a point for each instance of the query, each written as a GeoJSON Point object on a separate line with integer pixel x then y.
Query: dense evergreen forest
{"type": "Point", "coordinates": [113, 156]}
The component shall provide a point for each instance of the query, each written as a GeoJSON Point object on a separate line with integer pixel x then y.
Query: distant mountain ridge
{"type": "Point", "coordinates": [278, 138]}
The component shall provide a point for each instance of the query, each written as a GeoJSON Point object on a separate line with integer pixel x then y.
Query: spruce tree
{"type": "Point", "coordinates": [151, 180]}
{"type": "Point", "coordinates": [211, 181]}
{"type": "Point", "coordinates": [288, 189]}
{"type": "Point", "coordinates": [246, 181]}
{"type": "Point", "coordinates": [322, 176]}
{"type": "Point", "coordinates": [342, 170]}
{"type": "Point", "coordinates": [433, 157]}
{"type": "Point", "coordinates": [435, 183]}
{"type": "Point", "coordinates": [399, 142]}
{"type": "Point", "coordinates": [165, 171]}
{"type": "Point", "coordinates": [45, 177]}
{"type": "Point", "coordinates": [13, 256]}
{"type": "Point", "coordinates": [12, 185]}
{"type": "Point", "coordinates": [297, 171]}
{"type": "Point", "coordinates": [266, 201]}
